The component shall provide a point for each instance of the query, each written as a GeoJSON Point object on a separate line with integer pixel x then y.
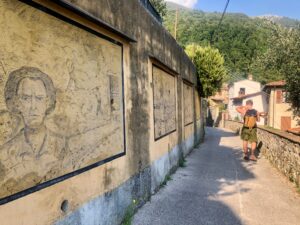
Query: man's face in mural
{"type": "Point", "coordinates": [32, 99]}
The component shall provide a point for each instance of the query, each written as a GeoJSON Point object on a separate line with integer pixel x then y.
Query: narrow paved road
{"type": "Point", "coordinates": [217, 188]}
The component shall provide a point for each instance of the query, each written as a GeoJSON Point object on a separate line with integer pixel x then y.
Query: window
{"type": "Point", "coordinates": [285, 97]}
{"type": "Point", "coordinates": [242, 91]}
{"type": "Point", "coordinates": [281, 96]}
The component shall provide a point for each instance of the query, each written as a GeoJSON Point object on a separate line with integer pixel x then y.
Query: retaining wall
{"type": "Point", "coordinates": [104, 81]}
{"type": "Point", "coordinates": [280, 148]}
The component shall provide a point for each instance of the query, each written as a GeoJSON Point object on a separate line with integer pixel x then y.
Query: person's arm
{"type": "Point", "coordinates": [241, 109]}
{"type": "Point", "coordinates": [258, 117]}
{"type": "Point", "coordinates": [263, 114]}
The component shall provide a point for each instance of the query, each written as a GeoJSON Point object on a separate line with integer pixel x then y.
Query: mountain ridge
{"type": "Point", "coordinates": [282, 20]}
{"type": "Point", "coordinates": [241, 39]}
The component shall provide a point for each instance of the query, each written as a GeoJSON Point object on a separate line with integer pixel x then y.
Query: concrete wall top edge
{"type": "Point", "coordinates": [290, 137]}
{"type": "Point", "coordinates": [137, 25]}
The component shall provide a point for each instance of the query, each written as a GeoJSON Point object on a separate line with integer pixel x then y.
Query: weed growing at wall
{"type": "Point", "coordinates": [165, 181]}
{"type": "Point", "coordinates": [127, 219]}
{"type": "Point", "coordinates": [130, 212]}
{"type": "Point", "coordinates": [182, 162]}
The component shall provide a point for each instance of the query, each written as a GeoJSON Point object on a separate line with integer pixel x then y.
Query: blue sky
{"type": "Point", "coordinates": [289, 8]}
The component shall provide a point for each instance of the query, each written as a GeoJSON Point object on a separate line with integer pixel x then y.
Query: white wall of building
{"type": "Point", "coordinates": [260, 104]}
{"type": "Point", "coordinates": [250, 86]}
{"type": "Point", "coordinates": [231, 107]}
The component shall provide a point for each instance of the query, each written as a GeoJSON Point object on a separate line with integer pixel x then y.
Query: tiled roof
{"type": "Point", "coordinates": [217, 98]}
{"type": "Point", "coordinates": [276, 83]}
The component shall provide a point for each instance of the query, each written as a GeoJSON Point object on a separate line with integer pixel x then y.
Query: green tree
{"type": "Point", "coordinates": [282, 61]}
{"type": "Point", "coordinates": [210, 67]}
{"type": "Point", "coordinates": [292, 71]}
{"type": "Point", "coordinates": [240, 39]}
{"type": "Point", "coordinates": [160, 6]}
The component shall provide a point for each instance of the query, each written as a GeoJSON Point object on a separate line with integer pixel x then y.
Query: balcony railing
{"type": "Point", "coordinates": [151, 10]}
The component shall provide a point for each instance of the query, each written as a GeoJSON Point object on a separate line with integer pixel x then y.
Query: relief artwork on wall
{"type": "Point", "coordinates": [197, 105]}
{"type": "Point", "coordinates": [61, 98]}
{"type": "Point", "coordinates": [188, 104]}
{"type": "Point", "coordinates": [164, 102]}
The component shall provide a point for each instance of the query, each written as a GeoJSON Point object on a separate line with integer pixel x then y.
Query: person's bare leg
{"type": "Point", "coordinates": [253, 148]}
{"type": "Point", "coordinates": [245, 148]}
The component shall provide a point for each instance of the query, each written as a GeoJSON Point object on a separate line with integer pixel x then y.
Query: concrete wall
{"type": "Point", "coordinates": [200, 110]}
{"type": "Point", "coordinates": [280, 148]}
{"type": "Point", "coordinates": [103, 194]}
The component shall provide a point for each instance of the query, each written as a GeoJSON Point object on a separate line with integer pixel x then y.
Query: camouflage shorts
{"type": "Point", "coordinates": [249, 134]}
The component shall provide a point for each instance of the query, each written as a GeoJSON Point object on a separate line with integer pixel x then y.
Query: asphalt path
{"type": "Point", "coordinates": [218, 188]}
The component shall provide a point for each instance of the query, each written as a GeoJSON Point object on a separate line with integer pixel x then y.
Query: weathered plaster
{"type": "Point", "coordinates": [113, 181]}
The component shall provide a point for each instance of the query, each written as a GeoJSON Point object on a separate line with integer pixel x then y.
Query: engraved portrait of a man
{"type": "Point", "coordinates": [33, 154]}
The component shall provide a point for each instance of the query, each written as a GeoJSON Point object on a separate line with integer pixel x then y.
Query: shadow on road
{"type": "Point", "coordinates": [199, 193]}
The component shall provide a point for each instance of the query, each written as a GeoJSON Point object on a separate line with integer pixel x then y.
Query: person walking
{"type": "Point", "coordinates": [249, 130]}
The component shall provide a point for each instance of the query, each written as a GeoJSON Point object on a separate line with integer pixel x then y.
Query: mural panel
{"type": "Point", "coordinates": [61, 106]}
{"type": "Point", "coordinates": [197, 105]}
{"type": "Point", "coordinates": [188, 104]}
{"type": "Point", "coordinates": [164, 100]}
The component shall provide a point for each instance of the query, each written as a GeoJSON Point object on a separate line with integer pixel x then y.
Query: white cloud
{"type": "Point", "coordinates": [186, 3]}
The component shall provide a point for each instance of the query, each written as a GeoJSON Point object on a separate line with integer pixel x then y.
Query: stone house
{"type": "Point", "coordinates": [243, 90]}
{"type": "Point", "coordinates": [280, 114]}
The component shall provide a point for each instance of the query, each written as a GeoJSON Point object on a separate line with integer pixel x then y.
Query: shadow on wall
{"type": "Point", "coordinates": [197, 194]}
{"type": "Point", "coordinates": [209, 119]}
{"type": "Point", "coordinates": [213, 122]}
{"type": "Point", "coordinates": [218, 120]}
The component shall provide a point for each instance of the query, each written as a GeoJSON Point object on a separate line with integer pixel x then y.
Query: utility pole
{"type": "Point", "coordinates": [176, 22]}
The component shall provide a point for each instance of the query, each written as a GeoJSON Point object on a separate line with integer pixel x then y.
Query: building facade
{"type": "Point", "coordinates": [243, 90]}
{"type": "Point", "coordinates": [217, 103]}
{"type": "Point", "coordinates": [280, 114]}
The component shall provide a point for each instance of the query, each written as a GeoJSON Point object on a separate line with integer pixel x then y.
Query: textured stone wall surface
{"type": "Point", "coordinates": [283, 153]}
{"type": "Point", "coordinates": [280, 148]}
{"type": "Point", "coordinates": [233, 125]}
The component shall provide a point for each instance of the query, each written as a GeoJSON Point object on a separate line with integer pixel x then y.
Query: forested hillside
{"type": "Point", "coordinates": [282, 20]}
{"type": "Point", "coordinates": [241, 39]}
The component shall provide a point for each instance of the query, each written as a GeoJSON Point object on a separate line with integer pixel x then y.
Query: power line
{"type": "Point", "coordinates": [223, 14]}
